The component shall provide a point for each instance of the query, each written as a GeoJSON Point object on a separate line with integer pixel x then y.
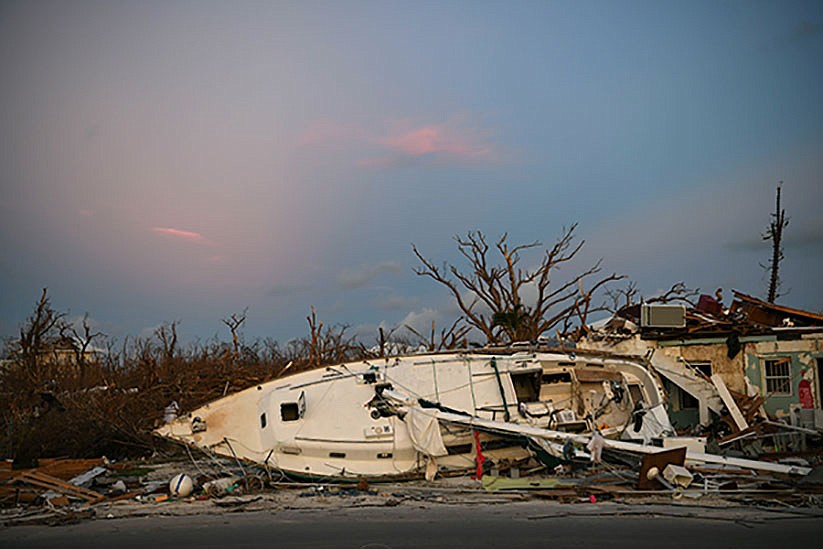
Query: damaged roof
{"type": "Point", "coordinates": [747, 316]}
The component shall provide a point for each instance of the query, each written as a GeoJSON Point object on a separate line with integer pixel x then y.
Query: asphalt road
{"type": "Point", "coordinates": [533, 524]}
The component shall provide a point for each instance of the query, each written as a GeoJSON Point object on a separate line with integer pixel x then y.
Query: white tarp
{"type": "Point", "coordinates": [424, 432]}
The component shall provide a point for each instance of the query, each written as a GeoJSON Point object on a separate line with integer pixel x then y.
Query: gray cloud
{"type": "Point", "coordinates": [287, 290]}
{"type": "Point", "coordinates": [395, 302]}
{"type": "Point", "coordinates": [353, 279]}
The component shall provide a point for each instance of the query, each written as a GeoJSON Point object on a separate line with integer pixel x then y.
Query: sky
{"type": "Point", "coordinates": [188, 160]}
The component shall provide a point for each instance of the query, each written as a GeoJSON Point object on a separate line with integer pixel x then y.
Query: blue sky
{"type": "Point", "coordinates": [185, 160]}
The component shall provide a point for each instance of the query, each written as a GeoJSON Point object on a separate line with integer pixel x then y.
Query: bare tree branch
{"type": "Point", "coordinates": [80, 343]}
{"type": "Point", "coordinates": [234, 322]}
{"type": "Point", "coordinates": [503, 288]}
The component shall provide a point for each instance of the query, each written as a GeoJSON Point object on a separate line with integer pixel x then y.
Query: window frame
{"type": "Point", "coordinates": [780, 383]}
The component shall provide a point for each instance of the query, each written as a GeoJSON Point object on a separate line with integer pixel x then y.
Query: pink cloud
{"type": "Point", "coordinates": [443, 139]}
{"type": "Point", "coordinates": [191, 236]}
{"type": "Point", "coordinates": [405, 141]}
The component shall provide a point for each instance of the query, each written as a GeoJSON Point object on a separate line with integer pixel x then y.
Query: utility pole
{"type": "Point", "coordinates": [775, 234]}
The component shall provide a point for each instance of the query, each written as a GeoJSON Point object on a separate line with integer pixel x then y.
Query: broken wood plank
{"type": "Point", "coordinates": [61, 468]}
{"type": "Point", "coordinates": [731, 405]}
{"type": "Point", "coordinates": [49, 482]}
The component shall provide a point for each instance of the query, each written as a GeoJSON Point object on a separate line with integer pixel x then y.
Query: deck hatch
{"type": "Point", "coordinates": [292, 411]}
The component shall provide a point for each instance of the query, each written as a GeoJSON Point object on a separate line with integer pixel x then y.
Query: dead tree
{"type": "Point", "coordinates": [623, 298]}
{"type": "Point", "coordinates": [493, 296]}
{"type": "Point", "coordinates": [234, 322]}
{"type": "Point", "coordinates": [453, 337]}
{"type": "Point", "coordinates": [167, 334]}
{"type": "Point", "coordinates": [315, 331]}
{"type": "Point", "coordinates": [325, 344]}
{"type": "Point", "coordinates": [775, 234]}
{"type": "Point", "coordinates": [37, 334]}
{"type": "Point", "coordinates": [678, 293]}
{"type": "Point", "coordinates": [80, 343]}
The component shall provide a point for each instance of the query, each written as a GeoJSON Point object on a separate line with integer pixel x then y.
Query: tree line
{"type": "Point", "coordinates": [68, 389]}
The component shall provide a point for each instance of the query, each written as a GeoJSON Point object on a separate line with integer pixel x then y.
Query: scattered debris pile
{"type": "Point", "coordinates": [60, 491]}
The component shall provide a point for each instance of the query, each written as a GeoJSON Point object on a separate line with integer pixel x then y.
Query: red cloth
{"type": "Point", "coordinates": [479, 459]}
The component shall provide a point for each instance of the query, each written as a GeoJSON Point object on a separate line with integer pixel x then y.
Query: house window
{"type": "Point", "coordinates": [778, 376]}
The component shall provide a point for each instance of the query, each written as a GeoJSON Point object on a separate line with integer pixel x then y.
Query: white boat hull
{"type": "Point", "coordinates": [324, 423]}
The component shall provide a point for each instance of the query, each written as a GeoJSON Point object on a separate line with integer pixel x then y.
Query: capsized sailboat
{"type": "Point", "coordinates": [375, 419]}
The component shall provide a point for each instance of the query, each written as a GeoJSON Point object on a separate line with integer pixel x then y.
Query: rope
{"type": "Point", "coordinates": [506, 415]}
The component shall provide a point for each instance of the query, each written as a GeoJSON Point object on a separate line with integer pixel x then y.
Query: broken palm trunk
{"type": "Point", "coordinates": [336, 422]}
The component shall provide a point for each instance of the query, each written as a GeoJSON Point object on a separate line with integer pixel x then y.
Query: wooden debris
{"type": "Point", "coordinates": [731, 405]}
{"type": "Point", "coordinates": [128, 495]}
{"type": "Point", "coordinates": [49, 482]}
{"type": "Point", "coordinates": [61, 468]}
{"type": "Point", "coordinates": [658, 461]}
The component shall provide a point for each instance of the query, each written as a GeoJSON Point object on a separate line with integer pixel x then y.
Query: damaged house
{"type": "Point", "coordinates": [766, 358]}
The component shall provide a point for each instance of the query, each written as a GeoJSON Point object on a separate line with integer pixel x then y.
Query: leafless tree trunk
{"type": "Point", "coordinates": [315, 330]}
{"type": "Point", "coordinates": [775, 234]}
{"type": "Point", "coordinates": [167, 334]}
{"type": "Point", "coordinates": [80, 344]}
{"type": "Point", "coordinates": [40, 330]}
{"type": "Point", "coordinates": [502, 315]}
{"type": "Point", "coordinates": [234, 322]}
{"type": "Point", "coordinates": [453, 337]}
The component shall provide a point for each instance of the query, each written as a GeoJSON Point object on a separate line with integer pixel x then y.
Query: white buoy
{"type": "Point", "coordinates": [181, 486]}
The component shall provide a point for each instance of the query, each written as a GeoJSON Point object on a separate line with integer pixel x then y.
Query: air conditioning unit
{"type": "Point", "coordinates": [663, 316]}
